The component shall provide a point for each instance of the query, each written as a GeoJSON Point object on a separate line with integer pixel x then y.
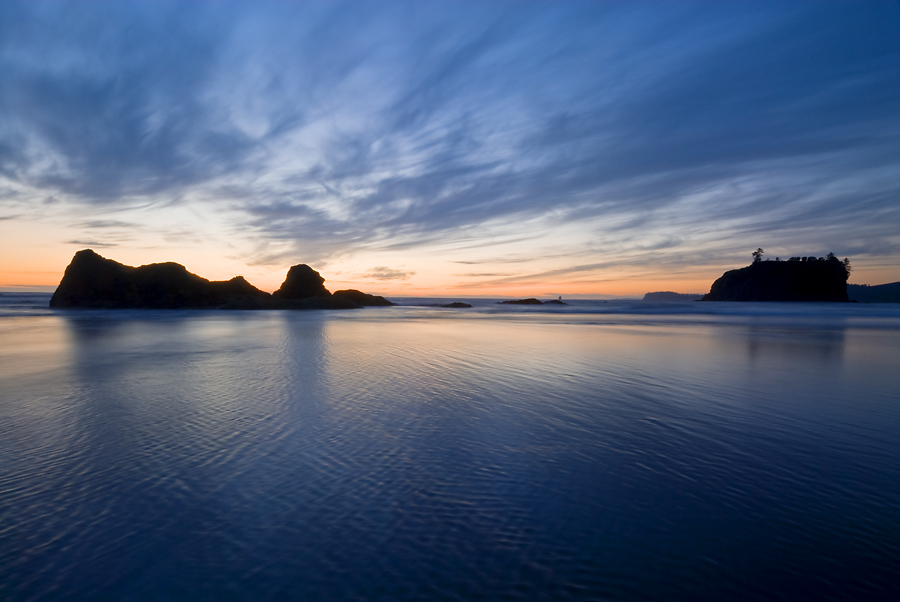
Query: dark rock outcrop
{"type": "Point", "coordinates": [811, 279]}
{"type": "Point", "coordinates": [92, 281]}
{"type": "Point", "coordinates": [302, 282]}
{"type": "Point", "coordinates": [362, 299]}
{"type": "Point", "coordinates": [457, 305]}
{"type": "Point", "coordinates": [531, 301]}
{"type": "Point", "coordinates": [670, 297]}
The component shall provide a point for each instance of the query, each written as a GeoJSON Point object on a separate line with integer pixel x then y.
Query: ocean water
{"type": "Point", "coordinates": [595, 451]}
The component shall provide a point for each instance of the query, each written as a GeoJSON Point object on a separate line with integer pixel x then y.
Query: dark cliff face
{"type": "Point", "coordinates": [92, 281]}
{"type": "Point", "coordinates": [819, 280]}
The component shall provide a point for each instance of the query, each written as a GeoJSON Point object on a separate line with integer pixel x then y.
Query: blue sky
{"type": "Point", "coordinates": [457, 147]}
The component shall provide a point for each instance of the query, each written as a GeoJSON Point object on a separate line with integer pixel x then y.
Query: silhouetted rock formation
{"type": "Point", "coordinates": [879, 293]}
{"type": "Point", "coordinates": [669, 297]}
{"type": "Point", "coordinates": [302, 282]}
{"type": "Point", "coordinates": [555, 302]}
{"type": "Point", "coordinates": [531, 301]}
{"type": "Point", "coordinates": [92, 281]}
{"type": "Point", "coordinates": [457, 304]}
{"type": "Point", "coordinates": [362, 299]}
{"type": "Point", "coordinates": [803, 279]}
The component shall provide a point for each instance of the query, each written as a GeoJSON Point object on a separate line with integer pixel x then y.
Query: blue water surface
{"type": "Point", "coordinates": [594, 451]}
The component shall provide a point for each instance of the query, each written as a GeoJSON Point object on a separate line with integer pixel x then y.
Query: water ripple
{"type": "Point", "coordinates": [505, 455]}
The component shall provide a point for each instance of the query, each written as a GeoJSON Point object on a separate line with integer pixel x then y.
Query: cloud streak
{"type": "Point", "coordinates": [385, 273]}
{"type": "Point", "coordinates": [88, 244]}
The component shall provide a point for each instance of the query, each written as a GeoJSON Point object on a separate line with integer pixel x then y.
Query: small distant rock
{"type": "Point", "coordinates": [456, 304]}
{"type": "Point", "coordinates": [555, 302]}
{"type": "Point", "coordinates": [531, 301]}
{"type": "Point", "coordinates": [363, 299]}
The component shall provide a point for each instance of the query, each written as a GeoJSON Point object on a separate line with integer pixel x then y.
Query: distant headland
{"type": "Point", "coordinates": [92, 281]}
{"type": "Point", "coordinates": [797, 279]}
{"type": "Point", "coordinates": [879, 293]}
{"type": "Point", "coordinates": [670, 297]}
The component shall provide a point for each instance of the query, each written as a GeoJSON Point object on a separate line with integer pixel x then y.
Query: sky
{"type": "Point", "coordinates": [458, 148]}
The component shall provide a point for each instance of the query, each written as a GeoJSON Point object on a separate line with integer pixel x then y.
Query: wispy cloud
{"type": "Point", "coordinates": [386, 273]}
{"type": "Point", "coordinates": [106, 223]}
{"type": "Point", "coordinates": [90, 243]}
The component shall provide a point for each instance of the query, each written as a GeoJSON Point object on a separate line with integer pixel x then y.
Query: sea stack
{"type": "Point", "coordinates": [92, 281]}
{"type": "Point", "coordinates": [302, 282]}
{"type": "Point", "coordinates": [799, 279]}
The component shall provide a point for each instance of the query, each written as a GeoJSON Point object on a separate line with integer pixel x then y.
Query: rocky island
{"type": "Point", "coordinates": [529, 301]}
{"type": "Point", "coordinates": [92, 281]}
{"type": "Point", "coordinates": [797, 279]}
{"type": "Point", "coordinates": [533, 301]}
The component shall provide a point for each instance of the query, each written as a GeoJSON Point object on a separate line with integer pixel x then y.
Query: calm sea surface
{"type": "Point", "coordinates": [597, 451]}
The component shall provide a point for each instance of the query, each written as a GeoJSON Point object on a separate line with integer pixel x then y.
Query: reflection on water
{"type": "Point", "coordinates": [415, 453]}
{"type": "Point", "coordinates": [821, 348]}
